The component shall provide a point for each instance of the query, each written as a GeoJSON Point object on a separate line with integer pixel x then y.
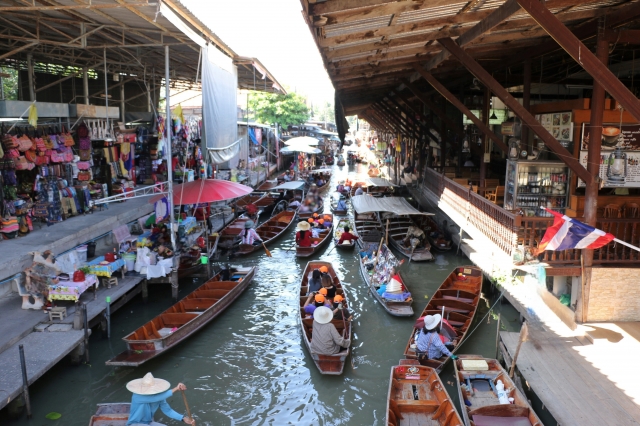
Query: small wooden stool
{"type": "Point", "coordinates": [112, 281]}
{"type": "Point", "coordinates": [59, 312]}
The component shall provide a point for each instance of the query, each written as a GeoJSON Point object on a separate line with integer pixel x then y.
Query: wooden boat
{"type": "Point", "coordinates": [459, 295]}
{"type": "Point", "coordinates": [325, 236]}
{"type": "Point", "coordinates": [183, 319]}
{"type": "Point", "coordinates": [398, 227]}
{"type": "Point", "coordinates": [263, 201]}
{"type": "Point", "coordinates": [418, 397]}
{"type": "Point", "coordinates": [485, 408]}
{"type": "Point", "coordinates": [434, 234]}
{"type": "Point", "coordinates": [113, 414]}
{"type": "Point", "coordinates": [339, 229]}
{"type": "Point", "coordinates": [327, 364]}
{"type": "Point", "coordinates": [385, 257]}
{"type": "Point", "coordinates": [319, 209]}
{"type": "Point", "coordinates": [368, 228]}
{"type": "Point", "coordinates": [229, 235]}
{"type": "Point", "coordinates": [337, 212]}
{"type": "Point", "coordinates": [270, 230]}
{"type": "Point", "coordinates": [267, 185]}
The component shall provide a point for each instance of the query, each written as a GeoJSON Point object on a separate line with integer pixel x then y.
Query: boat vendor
{"type": "Point", "coordinates": [326, 340]}
{"type": "Point", "coordinates": [415, 237]}
{"type": "Point", "coordinates": [428, 342]}
{"type": "Point", "coordinates": [342, 204]}
{"type": "Point", "coordinates": [303, 236]}
{"type": "Point", "coordinates": [149, 394]}
{"type": "Point", "coordinates": [249, 235]}
{"type": "Point", "coordinates": [347, 236]}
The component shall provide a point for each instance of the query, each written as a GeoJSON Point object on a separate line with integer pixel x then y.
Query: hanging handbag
{"type": "Point", "coordinates": [24, 143]}
{"type": "Point", "coordinates": [9, 177]}
{"type": "Point", "coordinates": [40, 209]}
{"type": "Point", "coordinates": [31, 155]}
{"type": "Point", "coordinates": [85, 154]}
{"type": "Point", "coordinates": [22, 163]}
{"type": "Point", "coordinates": [68, 139]}
{"type": "Point", "coordinates": [84, 175]}
{"type": "Point", "coordinates": [9, 142]}
{"type": "Point", "coordinates": [83, 165]}
{"type": "Point", "coordinates": [56, 157]}
{"type": "Point", "coordinates": [41, 160]}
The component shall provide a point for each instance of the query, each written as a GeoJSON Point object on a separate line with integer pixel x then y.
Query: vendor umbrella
{"type": "Point", "coordinates": [205, 191]}
{"type": "Point", "coordinates": [300, 148]}
{"type": "Point", "coordinates": [302, 140]}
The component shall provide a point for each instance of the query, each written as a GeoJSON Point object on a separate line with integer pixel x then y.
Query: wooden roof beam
{"type": "Point", "coordinates": [526, 117]}
{"type": "Point", "coordinates": [426, 127]}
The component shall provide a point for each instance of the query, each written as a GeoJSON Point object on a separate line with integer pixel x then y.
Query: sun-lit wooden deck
{"type": "Point", "coordinates": [580, 382]}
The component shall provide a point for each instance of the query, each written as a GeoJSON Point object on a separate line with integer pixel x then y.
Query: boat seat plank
{"type": "Point", "coordinates": [176, 320]}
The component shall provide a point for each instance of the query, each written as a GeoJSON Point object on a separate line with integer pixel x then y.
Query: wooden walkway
{"type": "Point", "coordinates": [570, 378]}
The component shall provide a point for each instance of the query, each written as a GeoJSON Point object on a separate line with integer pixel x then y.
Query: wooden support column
{"type": "Point", "coordinates": [593, 166]}
{"type": "Point", "coordinates": [460, 106]}
{"type": "Point", "coordinates": [580, 53]}
{"type": "Point", "coordinates": [485, 120]}
{"type": "Point", "coordinates": [407, 112]}
{"type": "Point", "coordinates": [32, 89]}
{"type": "Point", "coordinates": [526, 101]}
{"type": "Point", "coordinates": [526, 117]}
{"type": "Point", "coordinates": [85, 85]}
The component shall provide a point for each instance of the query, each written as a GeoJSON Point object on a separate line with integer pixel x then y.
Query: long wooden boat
{"type": "Point", "coordinates": [263, 201]}
{"type": "Point", "coordinates": [434, 234]}
{"type": "Point", "coordinates": [325, 236]}
{"type": "Point", "coordinates": [368, 228]}
{"type": "Point", "coordinates": [183, 319]}
{"type": "Point", "coordinates": [477, 378]}
{"type": "Point", "coordinates": [398, 227]}
{"type": "Point", "coordinates": [270, 231]}
{"type": "Point", "coordinates": [230, 234]}
{"type": "Point", "coordinates": [339, 212]}
{"type": "Point", "coordinates": [319, 209]}
{"type": "Point", "coordinates": [380, 274]}
{"type": "Point", "coordinates": [112, 414]}
{"type": "Point", "coordinates": [418, 397]}
{"type": "Point", "coordinates": [327, 364]}
{"type": "Point", "coordinates": [339, 229]}
{"type": "Point", "coordinates": [459, 294]}
{"type": "Point", "coordinates": [267, 185]}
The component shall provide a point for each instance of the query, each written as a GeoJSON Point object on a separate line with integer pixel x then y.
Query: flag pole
{"type": "Point", "coordinates": [626, 244]}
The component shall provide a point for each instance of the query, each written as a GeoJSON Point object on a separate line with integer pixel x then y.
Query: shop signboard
{"type": "Point", "coordinates": [619, 157]}
{"type": "Point", "coordinates": [558, 124]}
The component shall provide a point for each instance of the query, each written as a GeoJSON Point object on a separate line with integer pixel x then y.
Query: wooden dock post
{"type": "Point", "coordinates": [25, 381]}
{"type": "Point", "coordinates": [145, 291]}
{"type": "Point", "coordinates": [523, 337]}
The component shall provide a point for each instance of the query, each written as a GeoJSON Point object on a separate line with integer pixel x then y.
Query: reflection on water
{"type": "Point", "coordinates": [249, 366]}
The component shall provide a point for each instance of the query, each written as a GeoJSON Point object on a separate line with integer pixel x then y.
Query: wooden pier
{"type": "Point", "coordinates": [580, 382]}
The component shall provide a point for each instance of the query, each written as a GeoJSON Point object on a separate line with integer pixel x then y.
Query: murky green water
{"type": "Point", "coordinates": [249, 366]}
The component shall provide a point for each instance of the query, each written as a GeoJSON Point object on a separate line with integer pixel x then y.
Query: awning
{"type": "Point", "coordinates": [300, 148]}
{"type": "Point", "coordinates": [296, 184]}
{"type": "Point", "coordinates": [397, 205]}
{"type": "Point", "coordinates": [324, 170]}
{"type": "Point", "coordinates": [378, 182]}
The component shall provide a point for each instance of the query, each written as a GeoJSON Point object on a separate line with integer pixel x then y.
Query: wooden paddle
{"type": "Point", "coordinates": [412, 250]}
{"type": "Point", "coordinates": [267, 252]}
{"type": "Point", "coordinates": [184, 397]}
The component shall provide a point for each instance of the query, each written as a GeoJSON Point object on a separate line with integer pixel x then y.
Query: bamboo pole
{"type": "Point", "coordinates": [524, 331]}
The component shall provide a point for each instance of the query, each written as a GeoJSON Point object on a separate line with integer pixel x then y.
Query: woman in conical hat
{"type": "Point", "coordinates": [149, 394]}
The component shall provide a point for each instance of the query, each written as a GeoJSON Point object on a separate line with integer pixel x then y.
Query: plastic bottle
{"type": "Point", "coordinates": [502, 395]}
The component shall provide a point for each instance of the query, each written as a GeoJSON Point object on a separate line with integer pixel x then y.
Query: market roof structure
{"type": "Point", "coordinates": [371, 47]}
{"type": "Point", "coordinates": [77, 33]}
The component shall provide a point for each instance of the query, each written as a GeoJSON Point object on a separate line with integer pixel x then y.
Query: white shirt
{"type": "Point", "coordinates": [249, 236]}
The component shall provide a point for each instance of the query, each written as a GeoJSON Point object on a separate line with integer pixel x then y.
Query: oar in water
{"type": "Point", "coordinates": [267, 252]}
{"type": "Point", "coordinates": [184, 397]}
{"type": "Point", "coordinates": [412, 250]}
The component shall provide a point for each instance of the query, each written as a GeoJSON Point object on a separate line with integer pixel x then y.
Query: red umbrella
{"type": "Point", "coordinates": [206, 191]}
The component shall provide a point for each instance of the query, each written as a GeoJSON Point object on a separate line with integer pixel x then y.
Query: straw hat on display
{"type": "Point", "coordinates": [432, 321]}
{"type": "Point", "coordinates": [148, 385]}
{"type": "Point", "coordinates": [394, 286]}
{"type": "Point", "coordinates": [322, 315]}
{"type": "Point", "coordinates": [303, 226]}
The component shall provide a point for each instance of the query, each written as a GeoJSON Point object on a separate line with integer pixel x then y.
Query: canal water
{"type": "Point", "coordinates": [249, 366]}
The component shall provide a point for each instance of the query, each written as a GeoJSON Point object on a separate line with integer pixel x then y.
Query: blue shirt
{"type": "Point", "coordinates": [342, 205]}
{"type": "Point", "coordinates": [432, 345]}
{"type": "Point", "coordinates": [144, 406]}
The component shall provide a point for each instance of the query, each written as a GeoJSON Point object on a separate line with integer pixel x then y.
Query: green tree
{"type": "Point", "coordinates": [324, 112]}
{"type": "Point", "coordinates": [10, 84]}
{"type": "Point", "coordinates": [286, 110]}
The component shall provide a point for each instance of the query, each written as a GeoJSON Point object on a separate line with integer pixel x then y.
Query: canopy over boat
{"type": "Point", "coordinates": [397, 205]}
{"type": "Point", "coordinates": [374, 181]}
{"type": "Point", "coordinates": [293, 185]}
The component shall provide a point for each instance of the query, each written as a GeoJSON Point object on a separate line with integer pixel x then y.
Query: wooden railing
{"type": "Point", "coordinates": [508, 231]}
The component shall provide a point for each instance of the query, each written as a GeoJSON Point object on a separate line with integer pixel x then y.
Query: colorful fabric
{"type": "Point", "coordinates": [105, 270]}
{"type": "Point", "coordinates": [567, 233]}
{"type": "Point", "coordinates": [69, 290]}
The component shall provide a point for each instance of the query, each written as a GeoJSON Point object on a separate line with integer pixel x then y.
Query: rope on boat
{"type": "Point", "coordinates": [479, 323]}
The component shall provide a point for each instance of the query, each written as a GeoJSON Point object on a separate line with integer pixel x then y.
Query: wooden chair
{"type": "Point", "coordinates": [474, 188]}
{"type": "Point", "coordinates": [611, 211]}
{"type": "Point", "coordinates": [631, 210]}
{"type": "Point", "coordinates": [496, 196]}
{"type": "Point", "coordinates": [491, 183]}
{"type": "Point", "coordinates": [462, 181]}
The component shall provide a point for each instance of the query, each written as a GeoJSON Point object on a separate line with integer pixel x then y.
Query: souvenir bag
{"type": "Point", "coordinates": [67, 153]}
{"type": "Point", "coordinates": [56, 157]}
{"type": "Point", "coordinates": [24, 143]}
{"type": "Point", "coordinates": [83, 165]}
{"type": "Point", "coordinates": [42, 160]}
{"type": "Point", "coordinates": [10, 193]}
{"type": "Point", "coordinates": [9, 176]}
{"type": "Point", "coordinates": [31, 155]}
{"type": "Point", "coordinates": [84, 175]}
{"type": "Point", "coordinates": [22, 163]}
{"type": "Point", "coordinates": [12, 153]}
{"type": "Point", "coordinates": [10, 227]}
{"type": "Point", "coordinates": [85, 154]}
{"type": "Point", "coordinates": [9, 142]}
{"type": "Point", "coordinates": [68, 139]}
{"type": "Point", "coordinates": [54, 141]}
{"type": "Point", "coordinates": [40, 209]}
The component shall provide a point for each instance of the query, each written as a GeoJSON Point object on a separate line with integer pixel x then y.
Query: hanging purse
{"type": "Point", "coordinates": [84, 175]}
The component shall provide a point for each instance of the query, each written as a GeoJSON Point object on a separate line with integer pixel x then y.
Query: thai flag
{"type": "Point", "coordinates": [567, 233]}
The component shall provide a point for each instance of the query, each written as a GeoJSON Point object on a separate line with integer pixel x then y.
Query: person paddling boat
{"type": "Point", "coordinates": [149, 394]}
